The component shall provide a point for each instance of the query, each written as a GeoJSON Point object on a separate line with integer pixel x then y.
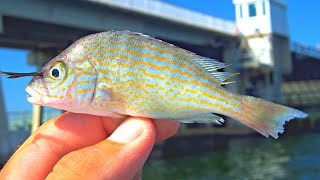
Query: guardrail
{"type": "Point", "coordinates": [305, 50]}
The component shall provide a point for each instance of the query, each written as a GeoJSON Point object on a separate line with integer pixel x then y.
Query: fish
{"type": "Point", "coordinates": [123, 73]}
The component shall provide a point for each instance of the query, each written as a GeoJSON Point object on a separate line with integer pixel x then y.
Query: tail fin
{"type": "Point", "coordinates": [266, 117]}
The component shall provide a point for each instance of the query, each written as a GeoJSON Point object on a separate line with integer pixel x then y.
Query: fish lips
{"type": "Point", "coordinates": [34, 97]}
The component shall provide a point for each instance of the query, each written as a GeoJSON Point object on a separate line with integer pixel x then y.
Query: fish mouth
{"type": "Point", "coordinates": [33, 96]}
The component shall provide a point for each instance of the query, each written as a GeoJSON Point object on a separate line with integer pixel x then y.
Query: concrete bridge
{"type": "Point", "coordinates": [46, 27]}
{"type": "Point", "coordinates": [55, 24]}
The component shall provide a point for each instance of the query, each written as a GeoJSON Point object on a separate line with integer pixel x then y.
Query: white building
{"type": "Point", "coordinates": [263, 26]}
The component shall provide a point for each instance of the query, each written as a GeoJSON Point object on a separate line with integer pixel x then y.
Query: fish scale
{"type": "Point", "coordinates": [122, 73]}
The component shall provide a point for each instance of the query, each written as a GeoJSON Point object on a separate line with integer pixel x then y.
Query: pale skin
{"type": "Point", "coordinates": [79, 146]}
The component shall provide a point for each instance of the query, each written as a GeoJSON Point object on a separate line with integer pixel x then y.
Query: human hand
{"type": "Point", "coordinates": [79, 146]}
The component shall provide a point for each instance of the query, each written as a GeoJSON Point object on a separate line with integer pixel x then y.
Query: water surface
{"type": "Point", "coordinates": [290, 157]}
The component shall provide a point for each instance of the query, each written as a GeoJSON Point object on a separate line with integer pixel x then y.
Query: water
{"type": "Point", "coordinates": [291, 157]}
{"type": "Point", "coordinates": [21, 120]}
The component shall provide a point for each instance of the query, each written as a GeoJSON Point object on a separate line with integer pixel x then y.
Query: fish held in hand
{"type": "Point", "coordinates": [122, 73]}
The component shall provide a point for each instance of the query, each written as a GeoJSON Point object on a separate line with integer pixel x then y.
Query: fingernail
{"type": "Point", "coordinates": [127, 132]}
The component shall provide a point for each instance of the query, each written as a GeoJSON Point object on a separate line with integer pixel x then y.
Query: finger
{"type": "Point", "coordinates": [54, 139]}
{"type": "Point", "coordinates": [138, 175]}
{"type": "Point", "coordinates": [165, 128]}
{"type": "Point", "coordinates": [121, 156]}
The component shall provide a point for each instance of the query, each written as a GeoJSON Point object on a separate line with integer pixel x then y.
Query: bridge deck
{"type": "Point", "coordinates": [305, 50]}
{"type": "Point", "coordinates": [174, 13]}
{"type": "Point", "coordinates": [49, 24]}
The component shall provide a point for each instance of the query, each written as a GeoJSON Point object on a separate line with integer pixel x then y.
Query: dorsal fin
{"type": "Point", "coordinates": [212, 66]}
{"type": "Point", "coordinates": [209, 64]}
{"type": "Point", "coordinates": [223, 76]}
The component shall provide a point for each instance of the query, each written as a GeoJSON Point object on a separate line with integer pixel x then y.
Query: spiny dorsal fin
{"type": "Point", "coordinates": [223, 76]}
{"type": "Point", "coordinates": [212, 66]}
{"type": "Point", "coordinates": [209, 64]}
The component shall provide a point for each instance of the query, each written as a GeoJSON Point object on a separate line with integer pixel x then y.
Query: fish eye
{"type": "Point", "coordinates": [57, 70]}
{"type": "Point", "coordinates": [55, 73]}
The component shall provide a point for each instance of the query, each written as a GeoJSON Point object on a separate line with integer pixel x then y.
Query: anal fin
{"type": "Point", "coordinates": [204, 118]}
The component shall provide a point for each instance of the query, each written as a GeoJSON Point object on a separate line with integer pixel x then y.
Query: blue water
{"type": "Point", "coordinates": [291, 157]}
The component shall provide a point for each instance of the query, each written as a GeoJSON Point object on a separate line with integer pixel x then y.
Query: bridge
{"type": "Point", "coordinates": [46, 27]}
{"type": "Point", "coordinates": [55, 24]}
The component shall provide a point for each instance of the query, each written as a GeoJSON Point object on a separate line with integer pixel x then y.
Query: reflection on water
{"type": "Point", "coordinates": [256, 160]}
{"type": "Point", "coordinates": [247, 158]}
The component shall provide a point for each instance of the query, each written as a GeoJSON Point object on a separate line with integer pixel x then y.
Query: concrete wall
{"type": "Point", "coordinates": [281, 53]}
{"type": "Point", "coordinates": [279, 22]}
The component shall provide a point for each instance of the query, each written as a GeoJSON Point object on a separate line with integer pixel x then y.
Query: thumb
{"type": "Point", "coordinates": [121, 156]}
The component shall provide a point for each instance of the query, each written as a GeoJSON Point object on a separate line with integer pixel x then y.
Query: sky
{"type": "Point", "coordinates": [303, 17]}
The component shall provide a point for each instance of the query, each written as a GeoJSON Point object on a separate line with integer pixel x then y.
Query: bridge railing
{"type": "Point", "coordinates": [305, 50]}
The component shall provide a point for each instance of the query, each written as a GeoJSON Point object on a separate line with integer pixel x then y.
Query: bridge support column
{"type": "Point", "coordinates": [277, 82]}
{"type": "Point", "coordinates": [231, 56]}
{"type": "Point", "coordinates": [1, 22]}
{"type": "Point", "coordinates": [36, 117]}
{"type": "Point", "coordinates": [3, 115]}
{"type": "Point", "coordinates": [4, 128]}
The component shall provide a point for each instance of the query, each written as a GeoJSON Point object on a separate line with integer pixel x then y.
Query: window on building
{"type": "Point", "coordinates": [240, 7]}
{"type": "Point", "coordinates": [252, 10]}
{"type": "Point", "coordinates": [263, 7]}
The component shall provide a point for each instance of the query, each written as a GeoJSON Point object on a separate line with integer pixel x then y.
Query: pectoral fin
{"type": "Point", "coordinates": [106, 91]}
{"type": "Point", "coordinates": [116, 91]}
